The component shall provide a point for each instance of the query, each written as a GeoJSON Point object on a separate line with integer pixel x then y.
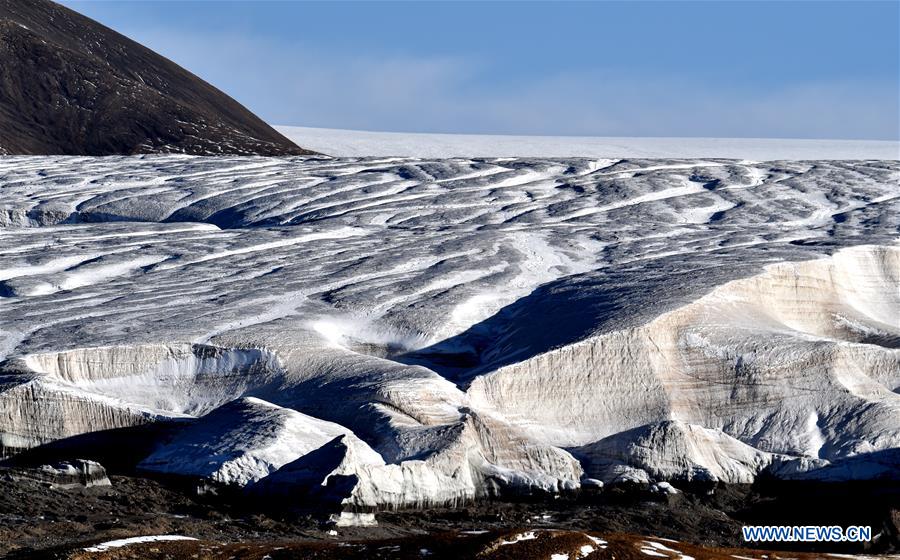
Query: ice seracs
{"type": "Point", "coordinates": [77, 473]}
{"type": "Point", "coordinates": [727, 360]}
{"type": "Point", "coordinates": [672, 450]}
{"type": "Point", "coordinates": [395, 332]}
{"type": "Point", "coordinates": [244, 441]}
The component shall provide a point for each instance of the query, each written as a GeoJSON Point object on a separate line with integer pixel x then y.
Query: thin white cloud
{"type": "Point", "coordinates": [296, 84]}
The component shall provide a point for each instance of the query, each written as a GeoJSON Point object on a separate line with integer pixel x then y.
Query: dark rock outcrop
{"type": "Point", "coordinates": [69, 85]}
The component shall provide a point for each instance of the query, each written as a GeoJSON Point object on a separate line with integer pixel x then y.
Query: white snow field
{"type": "Point", "coordinates": [406, 332]}
{"type": "Point", "coordinates": [103, 547]}
{"type": "Point", "coordinates": [359, 143]}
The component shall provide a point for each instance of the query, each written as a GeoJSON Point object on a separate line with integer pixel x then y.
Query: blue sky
{"type": "Point", "coordinates": [726, 68]}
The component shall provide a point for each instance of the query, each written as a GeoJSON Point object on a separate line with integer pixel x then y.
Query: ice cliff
{"type": "Point", "coordinates": [389, 332]}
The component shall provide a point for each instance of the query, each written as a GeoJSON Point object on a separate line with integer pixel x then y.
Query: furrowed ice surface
{"type": "Point", "coordinates": [389, 332]}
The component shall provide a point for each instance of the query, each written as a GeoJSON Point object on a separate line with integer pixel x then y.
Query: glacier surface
{"type": "Point", "coordinates": [408, 332]}
{"type": "Point", "coordinates": [357, 143]}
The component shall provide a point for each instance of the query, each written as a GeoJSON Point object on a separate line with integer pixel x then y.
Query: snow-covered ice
{"type": "Point", "coordinates": [103, 547]}
{"type": "Point", "coordinates": [527, 536]}
{"type": "Point", "coordinates": [661, 548]}
{"type": "Point", "coordinates": [406, 332]}
{"type": "Point", "coordinates": [355, 143]}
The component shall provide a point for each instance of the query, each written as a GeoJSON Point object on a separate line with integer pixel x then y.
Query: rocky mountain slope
{"type": "Point", "coordinates": [69, 85]}
{"type": "Point", "coordinates": [391, 333]}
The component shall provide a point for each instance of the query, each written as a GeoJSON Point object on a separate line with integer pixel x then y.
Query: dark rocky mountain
{"type": "Point", "coordinates": [69, 85]}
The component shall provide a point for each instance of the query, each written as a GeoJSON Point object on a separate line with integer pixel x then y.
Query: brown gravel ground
{"type": "Point", "coordinates": [41, 522]}
{"type": "Point", "coordinates": [443, 546]}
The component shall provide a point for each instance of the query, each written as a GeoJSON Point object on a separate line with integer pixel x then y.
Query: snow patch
{"type": "Point", "coordinates": [527, 536]}
{"type": "Point", "coordinates": [103, 547]}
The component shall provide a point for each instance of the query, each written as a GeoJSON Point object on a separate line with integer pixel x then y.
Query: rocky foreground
{"type": "Point", "coordinates": [370, 335]}
{"type": "Point", "coordinates": [489, 545]}
{"type": "Point", "coordinates": [46, 514]}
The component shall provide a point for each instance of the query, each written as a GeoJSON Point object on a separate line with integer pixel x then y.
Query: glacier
{"type": "Point", "coordinates": [401, 332]}
{"type": "Point", "coordinates": [364, 143]}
